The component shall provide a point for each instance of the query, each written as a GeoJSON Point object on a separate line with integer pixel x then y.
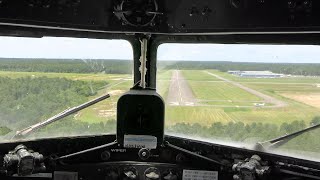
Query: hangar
{"type": "Point", "coordinates": [256, 74]}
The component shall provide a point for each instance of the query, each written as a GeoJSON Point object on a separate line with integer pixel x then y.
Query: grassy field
{"type": "Point", "coordinates": [117, 85]}
{"type": "Point", "coordinates": [105, 110]}
{"type": "Point", "coordinates": [72, 76]}
{"type": "Point", "coordinates": [206, 116]}
{"type": "Point", "coordinates": [220, 91]}
{"type": "Point", "coordinates": [221, 101]}
{"type": "Point", "coordinates": [201, 115]}
{"type": "Point", "coordinates": [163, 82]}
{"type": "Point", "coordinates": [198, 75]}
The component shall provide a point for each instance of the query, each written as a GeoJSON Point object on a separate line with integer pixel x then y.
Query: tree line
{"type": "Point", "coordinates": [252, 133]}
{"type": "Point", "coordinates": [301, 69]}
{"type": "Point", "coordinates": [67, 65]}
{"type": "Point", "coordinates": [125, 66]}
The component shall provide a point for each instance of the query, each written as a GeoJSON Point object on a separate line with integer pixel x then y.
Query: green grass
{"type": "Point", "coordinates": [220, 91]}
{"type": "Point", "coordinates": [206, 115]}
{"type": "Point", "coordinates": [72, 76]}
{"type": "Point", "coordinates": [4, 130]}
{"type": "Point", "coordinates": [294, 111]}
{"type": "Point", "coordinates": [269, 87]}
{"type": "Point", "coordinates": [226, 100]}
{"type": "Point", "coordinates": [230, 103]}
{"type": "Point", "coordinates": [105, 110]}
{"type": "Point", "coordinates": [202, 115]}
{"type": "Point", "coordinates": [164, 75]}
{"type": "Point", "coordinates": [274, 116]}
{"type": "Point", "coordinates": [198, 75]}
{"type": "Point", "coordinates": [163, 82]}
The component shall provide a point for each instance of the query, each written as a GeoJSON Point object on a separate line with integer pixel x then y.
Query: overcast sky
{"type": "Point", "coordinates": [75, 48]}
{"type": "Point", "coordinates": [64, 48]}
{"type": "Point", "coordinates": [241, 52]}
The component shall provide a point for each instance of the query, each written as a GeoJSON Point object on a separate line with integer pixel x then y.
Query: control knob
{"type": "Point", "coordinates": [152, 174]}
{"type": "Point", "coordinates": [130, 173]}
{"type": "Point", "coordinates": [170, 175]}
{"type": "Point", "coordinates": [105, 155]}
{"type": "Point", "coordinates": [144, 154]}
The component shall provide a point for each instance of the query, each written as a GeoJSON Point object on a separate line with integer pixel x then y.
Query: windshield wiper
{"type": "Point", "coordinates": [277, 142]}
{"type": "Point", "coordinates": [24, 132]}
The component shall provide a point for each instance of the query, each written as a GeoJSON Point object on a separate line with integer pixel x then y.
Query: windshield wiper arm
{"type": "Point", "coordinates": [65, 113]}
{"type": "Point", "coordinates": [277, 142]}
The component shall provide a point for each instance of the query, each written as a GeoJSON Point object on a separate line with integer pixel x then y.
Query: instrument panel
{"type": "Point", "coordinates": [128, 170]}
{"type": "Point", "coordinates": [113, 162]}
{"type": "Point", "coordinates": [181, 159]}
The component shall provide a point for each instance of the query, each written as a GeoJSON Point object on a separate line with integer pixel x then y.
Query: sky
{"type": "Point", "coordinates": [241, 53]}
{"type": "Point", "coordinates": [64, 48]}
{"type": "Point", "coordinates": [81, 48]}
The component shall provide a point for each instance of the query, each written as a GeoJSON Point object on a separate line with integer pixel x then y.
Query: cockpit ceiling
{"type": "Point", "coordinates": [165, 16]}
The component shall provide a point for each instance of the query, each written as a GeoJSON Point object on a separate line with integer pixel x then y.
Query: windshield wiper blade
{"type": "Point", "coordinates": [277, 142]}
{"type": "Point", "coordinates": [22, 133]}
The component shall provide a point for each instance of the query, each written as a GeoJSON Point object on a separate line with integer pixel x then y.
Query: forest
{"type": "Point", "coordinates": [67, 65]}
{"type": "Point", "coordinates": [240, 132]}
{"type": "Point", "coordinates": [125, 66]}
{"type": "Point", "coordinates": [26, 101]}
{"type": "Point", "coordinates": [301, 69]}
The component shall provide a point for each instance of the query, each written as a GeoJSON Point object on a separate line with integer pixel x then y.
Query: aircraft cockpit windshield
{"type": "Point", "coordinates": [41, 77]}
{"type": "Point", "coordinates": [242, 94]}
{"type": "Point", "coordinates": [233, 94]}
{"type": "Point", "coordinates": [159, 89]}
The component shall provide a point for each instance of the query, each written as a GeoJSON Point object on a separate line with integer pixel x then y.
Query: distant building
{"type": "Point", "coordinates": [256, 74]}
{"type": "Point", "coordinates": [234, 72]}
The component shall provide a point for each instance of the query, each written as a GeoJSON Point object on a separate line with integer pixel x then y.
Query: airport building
{"type": "Point", "coordinates": [256, 74]}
